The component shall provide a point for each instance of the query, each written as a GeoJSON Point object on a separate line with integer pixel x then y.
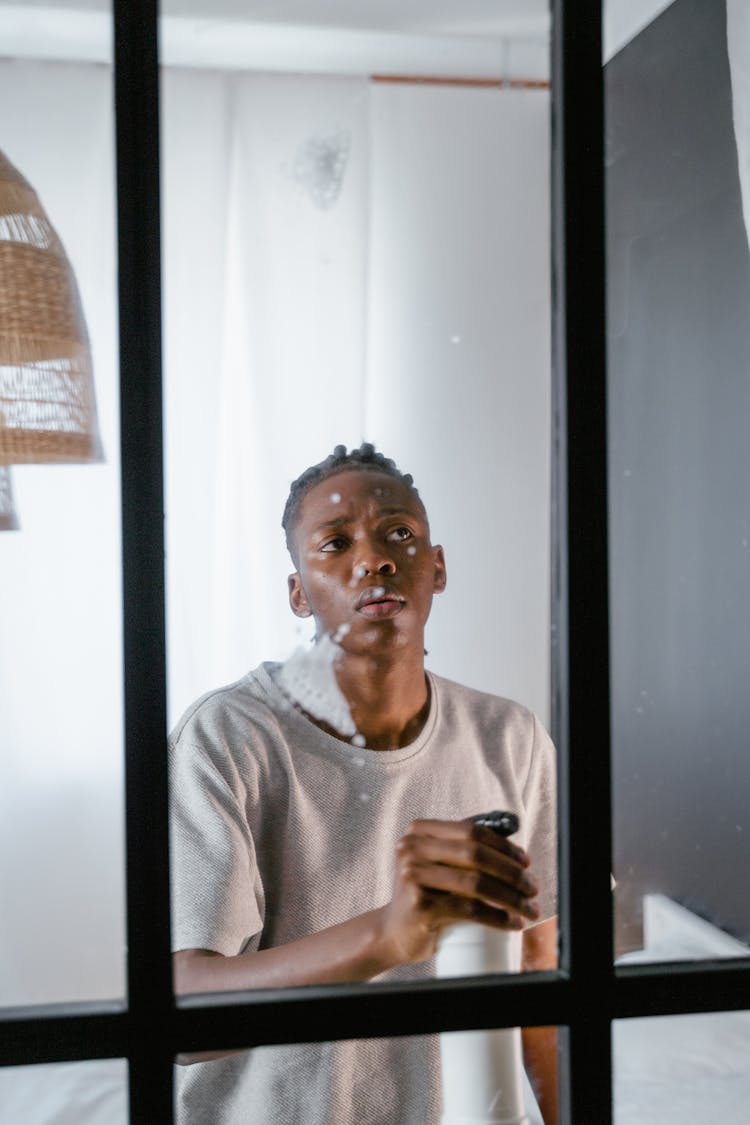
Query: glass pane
{"type": "Point", "coordinates": [459, 1077]}
{"type": "Point", "coordinates": [61, 801]}
{"type": "Point", "coordinates": [85, 1093]}
{"type": "Point", "coordinates": [672, 1069]}
{"type": "Point", "coordinates": [360, 254]}
{"type": "Point", "coordinates": [679, 395]}
{"type": "Point", "coordinates": [403, 300]}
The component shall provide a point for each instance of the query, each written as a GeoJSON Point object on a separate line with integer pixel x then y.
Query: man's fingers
{"type": "Point", "coordinates": [457, 909]}
{"type": "Point", "coordinates": [462, 830]}
{"type": "Point", "coordinates": [464, 851]}
{"type": "Point", "coordinates": [467, 883]}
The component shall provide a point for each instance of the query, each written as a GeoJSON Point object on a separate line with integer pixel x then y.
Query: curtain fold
{"type": "Point", "coordinates": [8, 518]}
{"type": "Point", "coordinates": [738, 45]}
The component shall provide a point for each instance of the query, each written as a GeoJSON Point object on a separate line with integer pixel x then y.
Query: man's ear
{"type": "Point", "coordinates": [297, 596]}
{"type": "Point", "coordinates": [440, 577]}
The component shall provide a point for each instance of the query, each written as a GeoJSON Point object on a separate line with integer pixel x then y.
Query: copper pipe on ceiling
{"type": "Point", "coordinates": [479, 83]}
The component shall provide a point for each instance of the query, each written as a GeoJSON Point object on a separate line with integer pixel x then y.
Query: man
{"type": "Point", "coordinates": [309, 851]}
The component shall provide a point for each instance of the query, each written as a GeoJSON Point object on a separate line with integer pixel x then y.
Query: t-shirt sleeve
{"type": "Point", "coordinates": [217, 892]}
{"type": "Point", "coordinates": [540, 803]}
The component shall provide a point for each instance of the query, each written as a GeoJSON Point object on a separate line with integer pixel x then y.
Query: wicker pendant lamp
{"type": "Point", "coordinates": [47, 404]}
{"type": "Point", "coordinates": [8, 520]}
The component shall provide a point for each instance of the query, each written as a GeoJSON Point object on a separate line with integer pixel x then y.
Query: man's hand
{"type": "Point", "coordinates": [454, 871]}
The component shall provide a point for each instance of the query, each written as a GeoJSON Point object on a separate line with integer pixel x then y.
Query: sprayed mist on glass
{"type": "Point", "coordinates": [309, 678]}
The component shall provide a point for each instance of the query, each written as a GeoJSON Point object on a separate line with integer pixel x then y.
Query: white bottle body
{"type": "Point", "coordinates": [482, 1071]}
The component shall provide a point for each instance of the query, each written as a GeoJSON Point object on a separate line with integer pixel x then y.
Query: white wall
{"type": "Point", "coordinates": [450, 358]}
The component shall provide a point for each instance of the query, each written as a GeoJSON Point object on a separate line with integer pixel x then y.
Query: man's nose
{"type": "Point", "coordinates": [373, 558]}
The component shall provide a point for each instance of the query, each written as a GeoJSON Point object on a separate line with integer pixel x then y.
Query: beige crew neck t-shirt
{"type": "Point", "coordinates": [279, 830]}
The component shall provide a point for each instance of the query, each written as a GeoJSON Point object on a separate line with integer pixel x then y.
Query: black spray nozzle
{"type": "Point", "coordinates": [504, 823]}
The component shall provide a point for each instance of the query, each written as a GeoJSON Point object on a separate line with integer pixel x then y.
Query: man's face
{"type": "Point", "coordinates": [367, 570]}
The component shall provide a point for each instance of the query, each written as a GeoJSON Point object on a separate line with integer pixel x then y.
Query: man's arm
{"type": "Point", "coordinates": [356, 950]}
{"type": "Point", "coordinates": [540, 1043]}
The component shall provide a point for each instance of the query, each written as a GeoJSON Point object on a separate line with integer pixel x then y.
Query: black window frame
{"type": "Point", "coordinates": [583, 997]}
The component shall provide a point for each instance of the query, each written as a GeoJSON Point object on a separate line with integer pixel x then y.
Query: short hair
{"type": "Point", "coordinates": [365, 458]}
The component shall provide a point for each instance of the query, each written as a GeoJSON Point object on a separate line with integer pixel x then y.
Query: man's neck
{"type": "Point", "coordinates": [389, 702]}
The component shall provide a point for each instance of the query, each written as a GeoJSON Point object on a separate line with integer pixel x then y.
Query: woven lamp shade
{"type": "Point", "coordinates": [47, 404]}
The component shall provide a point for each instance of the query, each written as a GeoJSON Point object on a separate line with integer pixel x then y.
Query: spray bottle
{"type": "Point", "coordinates": [482, 1070]}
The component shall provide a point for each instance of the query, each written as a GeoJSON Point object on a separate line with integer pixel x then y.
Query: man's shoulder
{"type": "Point", "coordinates": [249, 699]}
{"type": "Point", "coordinates": [479, 703]}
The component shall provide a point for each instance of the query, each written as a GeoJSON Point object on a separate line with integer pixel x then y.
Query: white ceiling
{"type": "Point", "coordinates": [467, 38]}
{"type": "Point", "coordinates": [423, 17]}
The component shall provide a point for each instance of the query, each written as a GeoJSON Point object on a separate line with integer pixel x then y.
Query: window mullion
{"type": "Point", "coordinates": [149, 961]}
{"type": "Point", "coordinates": [581, 653]}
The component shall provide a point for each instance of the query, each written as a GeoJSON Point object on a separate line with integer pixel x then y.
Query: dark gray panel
{"type": "Point", "coordinates": [679, 420]}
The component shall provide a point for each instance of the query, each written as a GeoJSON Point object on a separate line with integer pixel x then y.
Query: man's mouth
{"type": "Point", "coordinates": [379, 601]}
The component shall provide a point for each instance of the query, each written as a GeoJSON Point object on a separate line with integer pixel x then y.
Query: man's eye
{"type": "Point", "coordinates": [338, 543]}
{"type": "Point", "coordinates": [400, 534]}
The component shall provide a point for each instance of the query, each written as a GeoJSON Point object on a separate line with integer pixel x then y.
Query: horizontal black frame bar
{"type": "Point", "coordinates": [63, 1033]}
{"type": "Point", "coordinates": [682, 988]}
{"type": "Point", "coordinates": [68, 1032]}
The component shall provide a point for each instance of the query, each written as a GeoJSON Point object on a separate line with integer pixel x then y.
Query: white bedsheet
{"type": "Point", "coordinates": [671, 1070]}
{"type": "Point", "coordinates": [86, 1093]}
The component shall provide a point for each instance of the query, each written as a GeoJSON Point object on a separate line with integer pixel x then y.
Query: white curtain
{"type": "Point", "coordinates": [738, 43]}
{"type": "Point", "coordinates": [381, 252]}
{"type": "Point", "coordinates": [342, 261]}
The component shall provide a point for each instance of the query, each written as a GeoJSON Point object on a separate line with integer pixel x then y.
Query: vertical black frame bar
{"type": "Point", "coordinates": [582, 707]}
{"type": "Point", "coordinates": [150, 1000]}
